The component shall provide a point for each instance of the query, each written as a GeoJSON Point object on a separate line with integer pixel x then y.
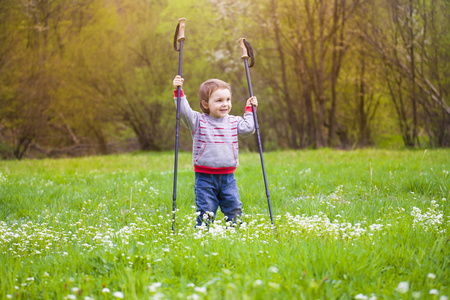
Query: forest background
{"type": "Point", "coordinates": [95, 77]}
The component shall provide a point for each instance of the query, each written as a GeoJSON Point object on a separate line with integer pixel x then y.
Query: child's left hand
{"type": "Point", "coordinates": [253, 101]}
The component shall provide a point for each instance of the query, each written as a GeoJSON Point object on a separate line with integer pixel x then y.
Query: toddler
{"type": "Point", "coordinates": [215, 147]}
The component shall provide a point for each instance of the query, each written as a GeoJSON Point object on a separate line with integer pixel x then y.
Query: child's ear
{"type": "Point", "coordinates": [205, 104]}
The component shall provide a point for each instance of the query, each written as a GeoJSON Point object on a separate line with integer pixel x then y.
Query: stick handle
{"type": "Point", "coordinates": [241, 42]}
{"type": "Point", "coordinates": [182, 23]}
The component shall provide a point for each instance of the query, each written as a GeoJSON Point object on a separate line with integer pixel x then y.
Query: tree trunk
{"type": "Point", "coordinates": [362, 111]}
{"type": "Point", "coordinates": [286, 95]}
{"type": "Point", "coordinates": [415, 138]}
{"type": "Point", "coordinates": [337, 54]}
{"type": "Point", "coordinates": [306, 89]}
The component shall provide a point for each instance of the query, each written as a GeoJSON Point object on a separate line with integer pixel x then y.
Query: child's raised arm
{"type": "Point", "coordinates": [178, 81]}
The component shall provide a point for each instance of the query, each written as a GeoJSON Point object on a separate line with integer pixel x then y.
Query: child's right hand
{"type": "Point", "coordinates": [177, 81]}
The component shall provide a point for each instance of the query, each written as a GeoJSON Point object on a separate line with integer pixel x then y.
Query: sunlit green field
{"type": "Point", "coordinates": [366, 224]}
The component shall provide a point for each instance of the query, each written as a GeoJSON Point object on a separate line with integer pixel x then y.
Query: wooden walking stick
{"type": "Point", "coordinates": [247, 52]}
{"type": "Point", "coordinates": [179, 37]}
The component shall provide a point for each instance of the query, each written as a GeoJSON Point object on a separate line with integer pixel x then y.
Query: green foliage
{"type": "Point", "coordinates": [95, 76]}
{"type": "Point", "coordinates": [348, 225]}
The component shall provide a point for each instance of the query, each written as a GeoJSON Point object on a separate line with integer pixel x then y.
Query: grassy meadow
{"type": "Point", "coordinates": [364, 224]}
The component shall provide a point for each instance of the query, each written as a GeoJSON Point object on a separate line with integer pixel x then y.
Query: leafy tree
{"type": "Point", "coordinates": [95, 77]}
{"type": "Point", "coordinates": [408, 53]}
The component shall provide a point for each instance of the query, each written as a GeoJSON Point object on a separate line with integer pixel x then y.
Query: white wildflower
{"type": "Point", "coordinates": [158, 296]}
{"type": "Point", "coordinates": [118, 295]}
{"type": "Point", "coordinates": [200, 289]}
{"type": "Point", "coordinates": [154, 286]}
{"type": "Point", "coordinates": [434, 292]}
{"type": "Point", "coordinates": [403, 287]}
{"type": "Point", "coordinates": [257, 282]}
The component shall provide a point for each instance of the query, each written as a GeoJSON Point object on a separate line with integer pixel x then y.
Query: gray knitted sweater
{"type": "Point", "coordinates": [215, 147]}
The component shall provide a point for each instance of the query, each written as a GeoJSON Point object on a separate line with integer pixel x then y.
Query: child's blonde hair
{"type": "Point", "coordinates": [207, 88]}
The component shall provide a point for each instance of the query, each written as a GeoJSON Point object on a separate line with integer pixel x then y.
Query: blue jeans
{"type": "Point", "coordinates": [214, 190]}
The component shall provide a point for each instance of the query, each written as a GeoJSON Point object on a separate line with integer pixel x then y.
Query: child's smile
{"type": "Point", "coordinates": [219, 104]}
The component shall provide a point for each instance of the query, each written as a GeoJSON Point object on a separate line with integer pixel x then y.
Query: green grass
{"type": "Point", "coordinates": [348, 224]}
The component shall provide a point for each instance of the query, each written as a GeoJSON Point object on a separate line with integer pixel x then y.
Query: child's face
{"type": "Point", "coordinates": [219, 104]}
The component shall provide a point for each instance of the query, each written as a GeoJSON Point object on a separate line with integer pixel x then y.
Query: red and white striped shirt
{"type": "Point", "coordinates": [215, 147]}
